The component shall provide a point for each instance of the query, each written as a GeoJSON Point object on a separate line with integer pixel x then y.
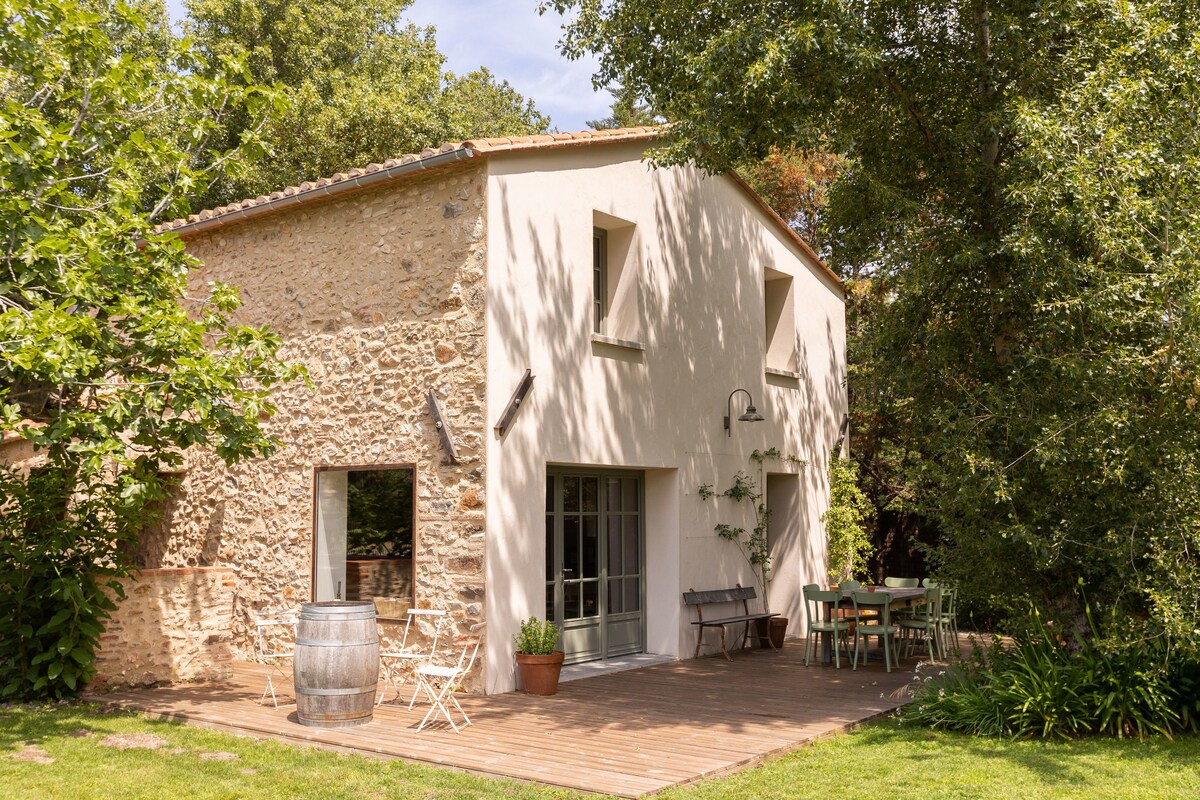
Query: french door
{"type": "Point", "coordinates": [595, 562]}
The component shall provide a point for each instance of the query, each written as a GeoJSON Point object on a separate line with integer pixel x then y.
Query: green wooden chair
{"type": "Point", "coordinates": [848, 613]}
{"type": "Point", "coordinates": [879, 624]}
{"type": "Point", "coordinates": [825, 617]}
{"type": "Point", "coordinates": [901, 583]}
{"type": "Point", "coordinates": [949, 619]}
{"type": "Point", "coordinates": [926, 624]}
{"type": "Point", "coordinates": [949, 615]}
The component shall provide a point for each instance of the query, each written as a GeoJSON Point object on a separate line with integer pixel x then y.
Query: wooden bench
{"type": "Point", "coordinates": [744, 594]}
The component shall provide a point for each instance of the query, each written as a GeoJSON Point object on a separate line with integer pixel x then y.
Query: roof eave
{"type": "Point", "coordinates": [351, 184]}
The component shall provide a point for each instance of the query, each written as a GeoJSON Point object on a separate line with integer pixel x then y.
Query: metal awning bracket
{"type": "Point", "coordinates": [514, 405]}
{"type": "Point", "coordinates": [443, 427]}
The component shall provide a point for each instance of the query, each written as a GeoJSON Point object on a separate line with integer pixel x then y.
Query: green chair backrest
{"type": "Point", "coordinates": [817, 600]}
{"type": "Point", "coordinates": [901, 583]}
{"type": "Point", "coordinates": [881, 602]}
{"type": "Point", "coordinates": [931, 609]}
{"type": "Point", "coordinates": [928, 582]}
{"type": "Point", "coordinates": [850, 584]}
{"type": "Point", "coordinates": [948, 597]}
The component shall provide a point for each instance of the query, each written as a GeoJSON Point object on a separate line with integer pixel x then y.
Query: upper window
{"type": "Point", "coordinates": [364, 537]}
{"type": "Point", "coordinates": [599, 280]}
{"type": "Point", "coordinates": [780, 314]}
{"type": "Point", "coordinates": [616, 301]}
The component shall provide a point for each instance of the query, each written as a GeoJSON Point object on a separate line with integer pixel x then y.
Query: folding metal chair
{"type": "Point", "coordinates": [271, 626]}
{"type": "Point", "coordinates": [440, 683]}
{"type": "Point", "coordinates": [396, 664]}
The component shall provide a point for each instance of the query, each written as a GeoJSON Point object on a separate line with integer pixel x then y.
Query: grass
{"type": "Point", "coordinates": [83, 769]}
{"type": "Point", "coordinates": [889, 761]}
{"type": "Point", "coordinates": [882, 761]}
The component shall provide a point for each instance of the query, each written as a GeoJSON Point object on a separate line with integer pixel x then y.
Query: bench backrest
{"type": "Point", "coordinates": [712, 596]}
{"type": "Point", "coordinates": [743, 593]}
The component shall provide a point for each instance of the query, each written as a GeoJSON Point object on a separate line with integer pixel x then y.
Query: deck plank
{"type": "Point", "coordinates": [626, 734]}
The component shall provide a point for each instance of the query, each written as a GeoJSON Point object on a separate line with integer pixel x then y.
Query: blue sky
{"type": "Point", "coordinates": [516, 44]}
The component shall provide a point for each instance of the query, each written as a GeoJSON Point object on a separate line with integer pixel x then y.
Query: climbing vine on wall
{"type": "Point", "coordinates": [754, 544]}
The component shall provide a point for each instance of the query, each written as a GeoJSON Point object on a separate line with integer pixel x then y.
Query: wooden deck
{"type": "Point", "coordinates": [626, 734]}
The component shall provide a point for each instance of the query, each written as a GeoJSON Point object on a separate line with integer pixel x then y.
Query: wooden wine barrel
{"type": "Point", "coordinates": [336, 663]}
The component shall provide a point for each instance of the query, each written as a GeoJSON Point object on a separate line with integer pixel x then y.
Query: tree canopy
{"type": "Point", "coordinates": [106, 368]}
{"type": "Point", "coordinates": [1018, 195]}
{"type": "Point", "coordinates": [362, 88]}
{"type": "Point", "coordinates": [627, 111]}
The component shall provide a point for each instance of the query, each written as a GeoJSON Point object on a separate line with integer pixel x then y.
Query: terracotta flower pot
{"type": "Point", "coordinates": [774, 629]}
{"type": "Point", "coordinates": [778, 631]}
{"type": "Point", "coordinates": [539, 674]}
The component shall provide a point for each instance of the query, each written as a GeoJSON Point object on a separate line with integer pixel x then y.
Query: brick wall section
{"type": "Point", "coordinates": [173, 625]}
{"type": "Point", "coordinates": [380, 293]}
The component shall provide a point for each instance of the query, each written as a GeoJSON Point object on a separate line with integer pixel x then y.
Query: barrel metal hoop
{"type": "Point", "coordinates": [335, 642]}
{"type": "Point", "coordinates": [335, 692]}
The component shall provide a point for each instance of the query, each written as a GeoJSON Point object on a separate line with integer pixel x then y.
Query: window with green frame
{"type": "Point", "coordinates": [599, 280]}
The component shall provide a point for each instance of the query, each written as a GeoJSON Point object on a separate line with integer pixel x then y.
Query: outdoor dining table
{"type": "Point", "coordinates": [901, 598]}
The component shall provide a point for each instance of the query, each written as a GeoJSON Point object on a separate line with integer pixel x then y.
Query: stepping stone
{"type": "Point", "coordinates": [34, 755]}
{"type": "Point", "coordinates": [134, 741]}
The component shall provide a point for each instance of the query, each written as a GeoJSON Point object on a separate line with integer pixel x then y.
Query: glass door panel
{"type": "Point", "coordinates": [594, 563]}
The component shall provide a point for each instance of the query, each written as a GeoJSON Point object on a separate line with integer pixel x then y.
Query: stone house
{"type": "Point", "coordinates": [521, 354]}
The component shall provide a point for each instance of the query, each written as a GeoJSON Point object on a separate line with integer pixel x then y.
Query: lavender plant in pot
{"type": "Point", "coordinates": [538, 659]}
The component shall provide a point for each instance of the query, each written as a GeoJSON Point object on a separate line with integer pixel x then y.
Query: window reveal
{"type": "Point", "coordinates": [364, 537]}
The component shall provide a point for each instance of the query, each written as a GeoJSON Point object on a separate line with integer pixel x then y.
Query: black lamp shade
{"type": "Point", "coordinates": [751, 415]}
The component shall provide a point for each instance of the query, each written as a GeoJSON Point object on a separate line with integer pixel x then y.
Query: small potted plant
{"type": "Point", "coordinates": [537, 659]}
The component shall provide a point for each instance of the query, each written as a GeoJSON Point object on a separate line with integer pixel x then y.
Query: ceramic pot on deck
{"type": "Point", "coordinates": [539, 674]}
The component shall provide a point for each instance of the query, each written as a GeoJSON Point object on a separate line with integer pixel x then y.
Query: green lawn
{"type": "Point", "coordinates": [881, 761]}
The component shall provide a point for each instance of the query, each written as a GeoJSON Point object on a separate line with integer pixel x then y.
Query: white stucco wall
{"type": "Point", "coordinates": [699, 254]}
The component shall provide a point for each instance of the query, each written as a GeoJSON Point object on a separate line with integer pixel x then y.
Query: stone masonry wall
{"type": "Point", "coordinates": [380, 294]}
{"type": "Point", "coordinates": [173, 625]}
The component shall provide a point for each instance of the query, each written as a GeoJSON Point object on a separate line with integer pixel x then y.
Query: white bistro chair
{"type": "Point", "coordinates": [440, 683]}
{"type": "Point", "coordinates": [275, 638]}
{"type": "Point", "coordinates": [397, 664]}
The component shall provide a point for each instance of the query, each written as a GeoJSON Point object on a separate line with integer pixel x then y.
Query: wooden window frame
{"type": "Point", "coordinates": [312, 558]}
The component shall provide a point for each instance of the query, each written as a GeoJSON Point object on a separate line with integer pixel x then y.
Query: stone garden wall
{"type": "Point", "coordinates": [172, 625]}
{"type": "Point", "coordinates": [380, 294]}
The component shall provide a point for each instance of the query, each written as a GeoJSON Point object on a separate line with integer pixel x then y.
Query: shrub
{"type": "Point", "coordinates": [53, 577]}
{"type": "Point", "coordinates": [1049, 684]}
{"type": "Point", "coordinates": [847, 521]}
{"type": "Point", "coordinates": [536, 638]}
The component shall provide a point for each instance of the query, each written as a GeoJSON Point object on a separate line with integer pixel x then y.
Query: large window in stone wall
{"type": "Point", "coordinates": [363, 548]}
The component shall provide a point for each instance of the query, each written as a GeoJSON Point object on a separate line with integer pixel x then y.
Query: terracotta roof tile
{"type": "Point", "coordinates": [483, 146]}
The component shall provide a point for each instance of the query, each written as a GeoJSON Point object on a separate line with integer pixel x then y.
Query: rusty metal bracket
{"type": "Point", "coordinates": [443, 427]}
{"type": "Point", "coordinates": [514, 405]}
